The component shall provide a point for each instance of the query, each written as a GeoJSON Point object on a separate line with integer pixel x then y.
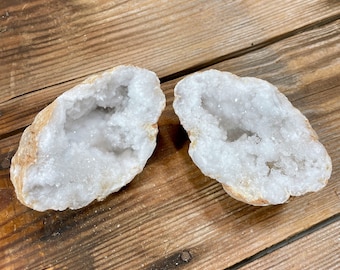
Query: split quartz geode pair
{"type": "Point", "coordinates": [95, 138]}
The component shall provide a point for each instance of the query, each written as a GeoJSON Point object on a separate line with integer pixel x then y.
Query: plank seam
{"type": "Point", "coordinates": [286, 242]}
{"type": "Point", "coordinates": [252, 48]}
{"type": "Point", "coordinates": [217, 60]}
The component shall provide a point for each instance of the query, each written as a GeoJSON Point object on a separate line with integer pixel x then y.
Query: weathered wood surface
{"type": "Point", "coordinates": [320, 250]}
{"type": "Point", "coordinates": [170, 216]}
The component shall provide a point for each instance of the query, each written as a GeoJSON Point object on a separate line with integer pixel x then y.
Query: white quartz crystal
{"type": "Point", "coordinates": [91, 141]}
{"type": "Point", "coordinates": [247, 135]}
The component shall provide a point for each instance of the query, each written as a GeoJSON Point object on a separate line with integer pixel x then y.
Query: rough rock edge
{"type": "Point", "coordinates": [27, 153]}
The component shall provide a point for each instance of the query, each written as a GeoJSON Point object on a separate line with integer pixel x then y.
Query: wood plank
{"type": "Point", "coordinates": [285, 73]}
{"type": "Point", "coordinates": [319, 250]}
{"type": "Point", "coordinates": [171, 209]}
{"type": "Point", "coordinates": [45, 43]}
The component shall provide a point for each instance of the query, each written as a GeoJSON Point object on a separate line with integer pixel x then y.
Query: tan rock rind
{"type": "Point", "coordinates": [27, 152]}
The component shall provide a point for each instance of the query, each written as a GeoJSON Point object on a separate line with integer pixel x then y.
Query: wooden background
{"type": "Point", "coordinates": [171, 216]}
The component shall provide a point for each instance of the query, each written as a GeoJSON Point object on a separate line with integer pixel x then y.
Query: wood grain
{"type": "Point", "coordinates": [319, 250]}
{"type": "Point", "coordinates": [45, 43]}
{"type": "Point", "coordinates": [170, 216]}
